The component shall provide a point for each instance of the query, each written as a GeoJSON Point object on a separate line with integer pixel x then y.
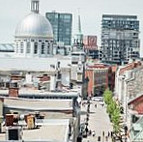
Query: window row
{"type": "Point", "coordinates": [44, 49]}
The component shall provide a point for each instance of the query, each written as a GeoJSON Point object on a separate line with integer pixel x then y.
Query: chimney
{"type": "Point", "coordinates": [13, 90]}
{"type": "Point", "coordinates": [9, 118]}
{"type": "Point", "coordinates": [30, 120]}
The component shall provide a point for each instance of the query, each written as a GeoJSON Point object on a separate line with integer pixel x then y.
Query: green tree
{"type": "Point", "coordinates": [114, 112]}
{"type": "Point", "coordinates": [111, 107]}
{"type": "Point", "coordinates": [115, 118]}
{"type": "Point", "coordinates": [107, 96]}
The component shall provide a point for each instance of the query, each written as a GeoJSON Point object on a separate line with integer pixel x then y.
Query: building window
{"type": "Point", "coordinates": [35, 48]}
{"type": "Point", "coordinates": [21, 47]}
{"type": "Point", "coordinates": [43, 48]}
{"type": "Point", "coordinates": [79, 77]}
{"type": "Point", "coordinates": [48, 48]}
{"type": "Point", "coordinates": [28, 47]}
{"type": "Point", "coordinates": [16, 50]}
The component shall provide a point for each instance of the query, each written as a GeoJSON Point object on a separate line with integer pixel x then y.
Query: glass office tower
{"type": "Point", "coordinates": [62, 26]}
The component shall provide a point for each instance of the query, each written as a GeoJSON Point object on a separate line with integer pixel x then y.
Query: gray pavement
{"type": "Point", "coordinates": [98, 122]}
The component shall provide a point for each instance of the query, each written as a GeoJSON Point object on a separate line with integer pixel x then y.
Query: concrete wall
{"type": "Point", "coordinates": [1, 107]}
{"type": "Point", "coordinates": [135, 85]}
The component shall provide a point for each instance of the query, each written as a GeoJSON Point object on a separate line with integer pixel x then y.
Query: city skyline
{"type": "Point", "coordinates": [91, 14]}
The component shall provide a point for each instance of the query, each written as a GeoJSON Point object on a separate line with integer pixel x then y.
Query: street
{"type": "Point", "coordinates": [98, 123]}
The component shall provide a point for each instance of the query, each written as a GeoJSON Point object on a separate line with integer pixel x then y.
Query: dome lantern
{"type": "Point", "coordinates": [34, 35]}
{"type": "Point", "coordinates": [35, 6]}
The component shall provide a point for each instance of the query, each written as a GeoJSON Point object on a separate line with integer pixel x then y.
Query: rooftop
{"type": "Point", "coordinates": [129, 66]}
{"type": "Point", "coordinates": [38, 104]}
{"type": "Point", "coordinates": [60, 127]}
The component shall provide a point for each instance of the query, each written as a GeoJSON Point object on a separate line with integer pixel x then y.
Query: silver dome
{"type": "Point", "coordinates": [34, 25]}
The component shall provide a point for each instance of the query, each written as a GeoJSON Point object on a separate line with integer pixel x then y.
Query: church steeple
{"type": "Point", "coordinates": [79, 24]}
{"type": "Point", "coordinates": [35, 6]}
{"type": "Point", "coordinates": [78, 40]}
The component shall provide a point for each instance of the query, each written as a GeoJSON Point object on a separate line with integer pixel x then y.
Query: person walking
{"type": "Point", "coordinates": [108, 134]}
{"type": "Point", "coordinates": [111, 134]}
{"type": "Point", "coordinates": [93, 133]}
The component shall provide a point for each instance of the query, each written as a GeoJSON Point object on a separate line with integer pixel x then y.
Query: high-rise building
{"type": "Point", "coordinates": [62, 26]}
{"type": "Point", "coordinates": [119, 39]}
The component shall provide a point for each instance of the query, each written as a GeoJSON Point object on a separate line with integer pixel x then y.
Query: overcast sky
{"type": "Point", "coordinates": [12, 11]}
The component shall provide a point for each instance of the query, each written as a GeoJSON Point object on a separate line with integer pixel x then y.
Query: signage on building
{"type": "Point", "coordinates": [90, 42]}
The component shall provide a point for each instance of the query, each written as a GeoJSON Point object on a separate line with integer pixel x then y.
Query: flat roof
{"type": "Point", "coordinates": [119, 16]}
{"type": "Point", "coordinates": [40, 93]}
{"type": "Point", "coordinates": [51, 130]}
{"type": "Point", "coordinates": [38, 104]}
{"type": "Point", "coordinates": [28, 64]}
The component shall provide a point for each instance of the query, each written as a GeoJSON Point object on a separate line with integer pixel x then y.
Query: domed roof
{"type": "Point", "coordinates": [34, 25]}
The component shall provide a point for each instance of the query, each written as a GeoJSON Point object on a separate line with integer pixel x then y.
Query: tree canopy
{"type": "Point", "coordinates": [113, 110]}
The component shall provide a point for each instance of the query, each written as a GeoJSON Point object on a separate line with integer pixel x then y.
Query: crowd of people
{"type": "Point", "coordinates": [92, 133]}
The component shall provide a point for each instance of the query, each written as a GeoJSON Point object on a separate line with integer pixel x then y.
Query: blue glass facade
{"type": "Point", "coordinates": [62, 26]}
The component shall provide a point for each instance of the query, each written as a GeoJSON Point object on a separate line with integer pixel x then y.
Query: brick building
{"type": "Point", "coordinates": [90, 46]}
{"type": "Point", "coordinates": [97, 75]}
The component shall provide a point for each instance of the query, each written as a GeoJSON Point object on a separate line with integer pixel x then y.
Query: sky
{"type": "Point", "coordinates": [12, 11]}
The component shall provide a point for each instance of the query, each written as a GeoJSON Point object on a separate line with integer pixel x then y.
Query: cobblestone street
{"type": "Point", "coordinates": [98, 122]}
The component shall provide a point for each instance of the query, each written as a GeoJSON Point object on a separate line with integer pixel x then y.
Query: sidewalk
{"type": "Point", "coordinates": [98, 122]}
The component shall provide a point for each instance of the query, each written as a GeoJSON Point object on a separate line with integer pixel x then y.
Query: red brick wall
{"type": "Point", "coordinates": [13, 92]}
{"type": "Point", "coordinates": [89, 74]}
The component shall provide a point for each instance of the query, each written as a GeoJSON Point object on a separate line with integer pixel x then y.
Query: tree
{"type": "Point", "coordinates": [114, 112]}
{"type": "Point", "coordinates": [107, 96]}
{"type": "Point", "coordinates": [111, 107]}
{"type": "Point", "coordinates": [115, 118]}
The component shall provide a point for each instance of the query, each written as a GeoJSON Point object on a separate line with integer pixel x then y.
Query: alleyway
{"type": "Point", "coordinates": [98, 122]}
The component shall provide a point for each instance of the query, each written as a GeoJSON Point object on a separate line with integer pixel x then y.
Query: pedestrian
{"type": "Point", "coordinates": [99, 139]}
{"type": "Point", "coordinates": [108, 134]}
{"type": "Point", "coordinates": [111, 134]}
{"type": "Point", "coordinates": [106, 138]}
{"type": "Point", "coordinates": [103, 133]}
{"type": "Point", "coordinates": [90, 132]}
{"type": "Point", "coordinates": [93, 133]}
{"type": "Point", "coordinates": [86, 130]}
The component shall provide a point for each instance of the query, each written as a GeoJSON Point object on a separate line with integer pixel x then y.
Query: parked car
{"type": "Point", "coordinates": [98, 99]}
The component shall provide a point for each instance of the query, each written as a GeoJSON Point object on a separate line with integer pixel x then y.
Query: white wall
{"type": "Point", "coordinates": [66, 78]}
{"type": "Point", "coordinates": [52, 83]}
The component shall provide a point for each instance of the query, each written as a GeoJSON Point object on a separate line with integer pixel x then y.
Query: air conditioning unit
{"type": "Point", "coordinates": [13, 133]}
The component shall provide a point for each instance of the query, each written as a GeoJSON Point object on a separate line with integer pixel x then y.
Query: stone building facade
{"type": "Point", "coordinates": [128, 86]}
{"type": "Point", "coordinates": [135, 84]}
